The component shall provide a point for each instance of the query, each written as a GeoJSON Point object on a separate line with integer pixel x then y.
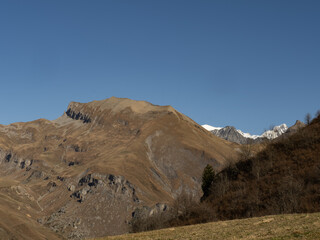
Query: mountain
{"type": "Point", "coordinates": [275, 132]}
{"type": "Point", "coordinates": [88, 172]}
{"type": "Point", "coordinates": [232, 134]}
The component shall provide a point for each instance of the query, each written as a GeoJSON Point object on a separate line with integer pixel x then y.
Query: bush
{"type": "Point", "coordinates": [185, 210]}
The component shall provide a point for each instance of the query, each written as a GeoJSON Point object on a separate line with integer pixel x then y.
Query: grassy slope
{"type": "Point", "coordinates": [276, 227]}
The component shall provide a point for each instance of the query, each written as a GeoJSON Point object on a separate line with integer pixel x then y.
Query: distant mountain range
{"type": "Point", "coordinates": [232, 134]}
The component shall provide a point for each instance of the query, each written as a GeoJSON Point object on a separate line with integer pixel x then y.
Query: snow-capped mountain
{"type": "Point", "coordinates": [275, 132]}
{"type": "Point", "coordinates": [235, 135]}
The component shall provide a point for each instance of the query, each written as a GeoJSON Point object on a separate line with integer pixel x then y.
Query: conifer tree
{"type": "Point", "coordinates": [207, 178]}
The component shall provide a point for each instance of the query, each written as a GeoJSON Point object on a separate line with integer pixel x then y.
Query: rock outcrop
{"type": "Point", "coordinates": [296, 127]}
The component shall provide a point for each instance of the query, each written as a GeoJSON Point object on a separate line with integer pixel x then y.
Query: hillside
{"type": "Point", "coordinates": [284, 227]}
{"type": "Point", "coordinates": [283, 178]}
{"type": "Point", "coordinates": [87, 172]}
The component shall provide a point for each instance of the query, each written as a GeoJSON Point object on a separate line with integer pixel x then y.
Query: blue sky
{"type": "Point", "coordinates": [250, 64]}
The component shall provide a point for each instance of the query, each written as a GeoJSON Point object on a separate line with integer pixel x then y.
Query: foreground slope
{"type": "Point", "coordinates": [284, 227]}
{"type": "Point", "coordinates": [84, 174]}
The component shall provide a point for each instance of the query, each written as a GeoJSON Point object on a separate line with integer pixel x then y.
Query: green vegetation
{"type": "Point", "coordinates": [277, 227]}
{"type": "Point", "coordinates": [207, 178]}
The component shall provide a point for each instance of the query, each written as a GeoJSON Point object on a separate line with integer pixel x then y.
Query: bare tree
{"type": "Point", "coordinates": [245, 152]}
{"type": "Point", "coordinates": [307, 118]}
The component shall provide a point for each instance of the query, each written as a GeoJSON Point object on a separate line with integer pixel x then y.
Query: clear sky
{"type": "Point", "coordinates": [250, 64]}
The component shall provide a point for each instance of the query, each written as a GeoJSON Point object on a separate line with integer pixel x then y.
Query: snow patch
{"type": "Point", "coordinates": [247, 135]}
{"type": "Point", "coordinates": [275, 132]}
{"type": "Point", "coordinates": [210, 128]}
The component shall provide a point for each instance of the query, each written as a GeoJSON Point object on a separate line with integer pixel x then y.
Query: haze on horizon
{"type": "Point", "coordinates": [249, 64]}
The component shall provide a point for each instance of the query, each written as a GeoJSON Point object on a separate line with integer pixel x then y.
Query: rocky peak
{"type": "Point", "coordinates": [298, 125]}
{"type": "Point", "coordinates": [275, 132]}
{"type": "Point", "coordinates": [231, 134]}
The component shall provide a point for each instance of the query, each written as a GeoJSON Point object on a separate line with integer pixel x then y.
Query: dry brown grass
{"type": "Point", "coordinates": [275, 227]}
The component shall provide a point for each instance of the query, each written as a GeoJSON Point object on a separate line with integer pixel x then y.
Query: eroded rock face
{"type": "Point", "coordinates": [97, 204]}
{"type": "Point", "coordinates": [105, 203]}
{"type": "Point", "coordinates": [11, 161]}
{"type": "Point", "coordinates": [116, 185]}
{"type": "Point", "coordinates": [78, 116]}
